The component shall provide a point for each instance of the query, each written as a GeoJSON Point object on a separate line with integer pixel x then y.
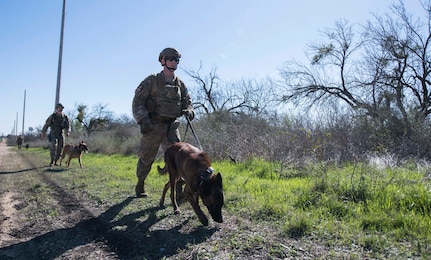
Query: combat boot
{"type": "Point", "coordinates": [140, 190]}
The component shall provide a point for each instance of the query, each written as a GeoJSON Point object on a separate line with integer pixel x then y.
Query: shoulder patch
{"type": "Point", "coordinates": [138, 89]}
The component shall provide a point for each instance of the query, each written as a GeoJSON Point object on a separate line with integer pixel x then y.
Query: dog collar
{"type": "Point", "coordinates": [207, 174]}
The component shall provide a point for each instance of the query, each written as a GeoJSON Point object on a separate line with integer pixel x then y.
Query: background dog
{"type": "Point", "coordinates": [183, 160]}
{"type": "Point", "coordinates": [74, 152]}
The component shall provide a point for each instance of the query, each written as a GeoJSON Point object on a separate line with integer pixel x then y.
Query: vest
{"type": "Point", "coordinates": [165, 100]}
{"type": "Point", "coordinates": [58, 123]}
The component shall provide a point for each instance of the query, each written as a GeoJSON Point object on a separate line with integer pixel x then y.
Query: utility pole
{"type": "Point", "coordinates": [16, 126]}
{"type": "Point", "coordinates": [23, 114]}
{"type": "Point", "coordinates": [60, 55]}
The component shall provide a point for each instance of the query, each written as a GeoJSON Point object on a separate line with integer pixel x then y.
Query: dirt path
{"type": "Point", "coordinates": [7, 202]}
{"type": "Point", "coordinates": [67, 235]}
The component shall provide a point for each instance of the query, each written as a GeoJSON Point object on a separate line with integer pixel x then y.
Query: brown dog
{"type": "Point", "coordinates": [183, 160]}
{"type": "Point", "coordinates": [74, 152]}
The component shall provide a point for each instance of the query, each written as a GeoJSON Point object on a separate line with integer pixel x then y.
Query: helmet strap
{"type": "Point", "coordinates": [164, 64]}
{"type": "Point", "coordinates": [171, 69]}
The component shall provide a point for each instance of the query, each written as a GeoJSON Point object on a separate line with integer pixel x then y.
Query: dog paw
{"type": "Point", "coordinates": [204, 220]}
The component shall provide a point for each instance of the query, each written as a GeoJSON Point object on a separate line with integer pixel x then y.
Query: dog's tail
{"type": "Point", "coordinates": [163, 170]}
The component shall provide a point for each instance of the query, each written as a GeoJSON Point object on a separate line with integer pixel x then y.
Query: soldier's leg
{"type": "Point", "coordinates": [52, 149]}
{"type": "Point", "coordinates": [60, 144]}
{"type": "Point", "coordinates": [150, 143]}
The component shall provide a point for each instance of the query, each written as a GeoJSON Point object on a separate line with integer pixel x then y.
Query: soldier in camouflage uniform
{"type": "Point", "coordinates": [58, 122]}
{"type": "Point", "coordinates": [159, 100]}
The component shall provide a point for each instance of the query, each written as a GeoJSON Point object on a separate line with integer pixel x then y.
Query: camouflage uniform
{"type": "Point", "coordinates": [57, 123]}
{"type": "Point", "coordinates": [156, 106]}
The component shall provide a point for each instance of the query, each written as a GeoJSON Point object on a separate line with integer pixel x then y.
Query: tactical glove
{"type": "Point", "coordinates": [189, 113]}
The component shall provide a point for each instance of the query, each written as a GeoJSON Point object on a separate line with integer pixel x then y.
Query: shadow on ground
{"type": "Point", "coordinates": [127, 237]}
{"type": "Point", "coordinates": [23, 170]}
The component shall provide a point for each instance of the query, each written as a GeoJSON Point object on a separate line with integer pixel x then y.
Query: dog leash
{"type": "Point", "coordinates": [193, 132]}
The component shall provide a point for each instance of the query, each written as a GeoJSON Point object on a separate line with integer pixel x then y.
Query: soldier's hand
{"type": "Point", "coordinates": [42, 136]}
{"type": "Point", "coordinates": [189, 113]}
{"type": "Point", "coordinates": [146, 125]}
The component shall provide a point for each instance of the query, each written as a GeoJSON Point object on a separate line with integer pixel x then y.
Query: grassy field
{"type": "Point", "coordinates": [382, 210]}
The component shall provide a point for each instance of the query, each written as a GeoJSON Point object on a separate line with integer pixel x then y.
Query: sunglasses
{"type": "Point", "coordinates": [176, 59]}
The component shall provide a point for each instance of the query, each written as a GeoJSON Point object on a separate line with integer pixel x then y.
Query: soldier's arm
{"type": "Point", "coordinates": [47, 124]}
{"type": "Point", "coordinates": [68, 128]}
{"type": "Point", "coordinates": [186, 98]}
{"type": "Point", "coordinates": [142, 93]}
{"type": "Point", "coordinates": [186, 102]}
{"type": "Point", "coordinates": [45, 127]}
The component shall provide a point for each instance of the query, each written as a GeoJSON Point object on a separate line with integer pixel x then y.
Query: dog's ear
{"type": "Point", "coordinates": [219, 179]}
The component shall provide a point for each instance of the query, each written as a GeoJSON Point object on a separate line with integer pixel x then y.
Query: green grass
{"type": "Point", "coordinates": [353, 205]}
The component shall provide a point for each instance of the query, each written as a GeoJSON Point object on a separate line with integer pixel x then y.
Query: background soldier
{"type": "Point", "coordinates": [159, 100]}
{"type": "Point", "coordinates": [19, 141]}
{"type": "Point", "coordinates": [57, 122]}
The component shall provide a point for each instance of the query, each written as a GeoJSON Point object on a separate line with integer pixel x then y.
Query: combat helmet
{"type": "Point", "coordinates": [169, 52]}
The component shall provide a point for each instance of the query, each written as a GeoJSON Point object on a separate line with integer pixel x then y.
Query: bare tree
{"type": "Point", "coordinates": [330, 75]}
{"type": "Point", "coordinates": [212, 95]}
{"type": "Point", "coordinates": [382, 72]}
{"type": "Point", "coordinates": [95, 120]}
{"type": "Point", "coordinates": [401, 53]}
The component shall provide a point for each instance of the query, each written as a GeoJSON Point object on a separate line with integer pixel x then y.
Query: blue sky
{"type": "Point", "coordinates": [110, 46]}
